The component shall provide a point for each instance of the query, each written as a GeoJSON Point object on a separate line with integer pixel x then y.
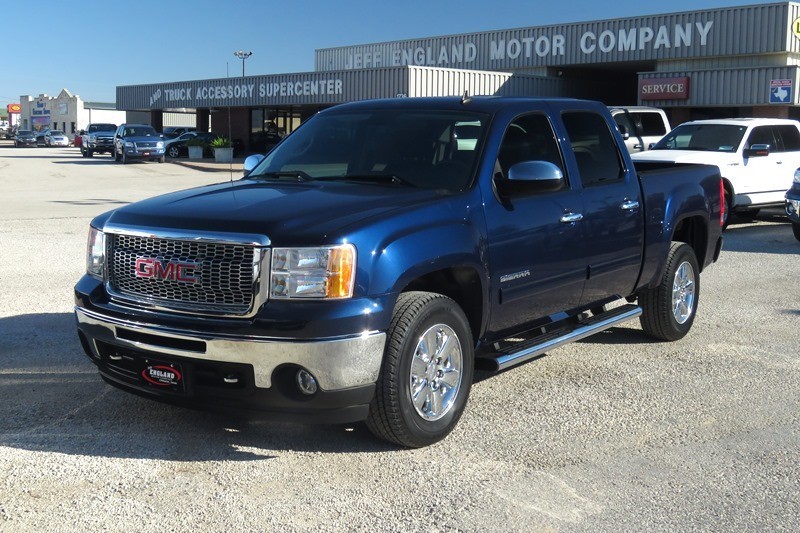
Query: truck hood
{"type": "Point", "coordinates": [107, 134]}
{"type": "Point", "coordinates": [685, 156]}
{"type": "Point", "coordinates": [287, 213]}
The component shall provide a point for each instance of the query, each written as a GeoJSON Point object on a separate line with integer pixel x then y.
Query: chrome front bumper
{"type": "Point", "coordinates": [337, 364]}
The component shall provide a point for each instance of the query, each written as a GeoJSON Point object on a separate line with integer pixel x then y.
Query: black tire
{"type": "Point", "coordinates": [173, 152]}
{"type": "Point", "coordinates": [658, 317]}
{"type": "Point", "coordinates": [114, 154]}
{"type": "Point", "coordinates": [124, 158]}
{"type": "Point", "coordinates": [162, 159]}
{"type": "Point", "coordinates": [796, 230]}
{"type": "Point", "coordinates": [392, 413]}
{"type": "Point", "coordinates": [89, 153]}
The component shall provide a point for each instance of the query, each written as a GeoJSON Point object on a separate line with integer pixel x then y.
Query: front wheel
{"type": "Point", "coordinates": [668, 310]}
{"type": "Point", "coordinates": [173, 152]}
{"type": "Point", "coordinates": [796, 230]}
{"type": "Point", "coordinates": [427, 370]}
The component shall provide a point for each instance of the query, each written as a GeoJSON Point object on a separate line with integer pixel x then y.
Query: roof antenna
{"type": "Point", "coordinates": [466, 98]}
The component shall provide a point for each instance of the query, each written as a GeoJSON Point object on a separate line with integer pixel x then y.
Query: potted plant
{"type": "Point", "coordinates": [223, 150]}
{"type": "Point", "coordinates": [195, 145]}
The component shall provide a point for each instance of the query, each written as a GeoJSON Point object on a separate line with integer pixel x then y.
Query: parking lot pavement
{"type": "Point", "coordinates": [616, 432]}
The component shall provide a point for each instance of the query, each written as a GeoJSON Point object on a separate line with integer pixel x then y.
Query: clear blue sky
{"type": "Point", "coordinates": [90, 47]}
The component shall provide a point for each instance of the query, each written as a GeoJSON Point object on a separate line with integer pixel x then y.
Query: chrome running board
{"type": "Point", "coordinates": [526, 350]}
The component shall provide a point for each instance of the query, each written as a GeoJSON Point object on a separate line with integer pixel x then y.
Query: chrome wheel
{"type": "Point", "coordinates": [436, 372]}
{"type": "Point", "coordinates": [683, 293]}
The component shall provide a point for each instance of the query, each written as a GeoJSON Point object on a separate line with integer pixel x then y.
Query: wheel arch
{"type": "Point", "coordinates": [463, 285]}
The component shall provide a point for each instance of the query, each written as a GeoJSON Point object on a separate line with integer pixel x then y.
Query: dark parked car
{"type": "Point", "coordinates": [40, 137]}
{"type": "Point", "coordinates": [177, 147]}
{"type": "Point", "coordinates": [173, 132]}
{"type": "Point", "coordinates": [138, 141]}
{"type": "Point", "coordinates": [25, 138]}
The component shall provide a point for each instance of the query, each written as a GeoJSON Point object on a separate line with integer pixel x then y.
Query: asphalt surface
{"type": "Point", "coordinates": [614, 433]}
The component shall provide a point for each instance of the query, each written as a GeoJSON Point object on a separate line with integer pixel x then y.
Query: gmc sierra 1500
{"type": "Point", "coordinates": [364, 267]}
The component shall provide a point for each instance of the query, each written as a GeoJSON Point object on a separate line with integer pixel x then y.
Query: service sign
{"type": "Point", "coordinates": [664, 88]}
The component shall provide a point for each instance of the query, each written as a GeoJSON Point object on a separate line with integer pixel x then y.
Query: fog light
{"type": "Point", "coordinates": [306, 382]}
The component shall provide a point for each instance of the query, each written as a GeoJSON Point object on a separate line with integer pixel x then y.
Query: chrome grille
{"type": "Point", "coordinates": [145, 144]}
{"type": "Point", "coordinates": [225, 275]}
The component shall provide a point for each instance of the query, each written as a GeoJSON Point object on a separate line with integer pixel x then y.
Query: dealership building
{"type": "Point", "coordinates": [726, 62]}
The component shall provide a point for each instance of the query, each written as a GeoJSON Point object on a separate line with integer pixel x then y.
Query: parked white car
{"type": "Point", "coordinates": [641, 127]}
{"type": "Point", "coordinates": [56, 138]}
{"type": "Point", "coordinates": [757, 157]}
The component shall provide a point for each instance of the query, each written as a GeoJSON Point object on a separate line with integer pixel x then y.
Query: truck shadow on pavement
{"type": "Point", "coordinates": [54, 400]}
{"type": "Point", "coordinates": [765, 236]}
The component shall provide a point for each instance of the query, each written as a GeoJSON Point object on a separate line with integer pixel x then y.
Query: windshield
{"type": "Point", "coordinates": [56, 132]}
{"type": "Point", "coordinates": [101, 127]}
{"type": "Point", "coordinates": [140, 131]}
{"type": "Point", "coordinates": [703, 138]}
{"type": "Point", "coordinates": [421, 148]}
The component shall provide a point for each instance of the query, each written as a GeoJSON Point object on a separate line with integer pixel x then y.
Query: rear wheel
{"type": "Point", "coordinates": [89, 153]}
{"type": "Point", "coordinates": [668, 310]}
{"type": "Point", "coordinates": [173, 151]}
{"type": "Point", "coordinates": [426, 374]}
{"type": "Point", "coordinates": [124, 158]}
{"type": "Point", "coordinates": [796, 230]}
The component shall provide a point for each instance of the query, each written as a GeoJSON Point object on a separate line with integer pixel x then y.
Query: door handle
{"type": "Point", "coordinates": [629, 205]}
{"type": "Point", "coordinates": [637, 146]}
{"type": "Point", "coordinates": [570, 218]}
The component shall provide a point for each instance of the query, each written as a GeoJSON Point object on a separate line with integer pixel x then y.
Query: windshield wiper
{"type": "Point", "coordinates": [380, 178]}
{"type": "Point", "coordinates": [298, 175]}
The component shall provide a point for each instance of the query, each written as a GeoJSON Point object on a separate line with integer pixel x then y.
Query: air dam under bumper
{"type": "Point", "coordinates": [346, 369]}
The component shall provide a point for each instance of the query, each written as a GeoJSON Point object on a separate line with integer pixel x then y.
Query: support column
{"type": "Point", "coordinates": [157, 119]}
{"type": "Point", "coordinates": [202, 119]}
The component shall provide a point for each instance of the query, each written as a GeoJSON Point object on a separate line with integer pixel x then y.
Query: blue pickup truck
{"type": "Point", "coordinates": [364, 267]}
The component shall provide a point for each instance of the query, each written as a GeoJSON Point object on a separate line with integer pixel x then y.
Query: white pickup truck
{"type": "Point", "coordinates": [641, 127]}
{"type": "Point", "coordinates": [757, 157]}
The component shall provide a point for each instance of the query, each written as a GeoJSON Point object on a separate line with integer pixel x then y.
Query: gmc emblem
{"type": "Point", "coordinates": [183, 272]}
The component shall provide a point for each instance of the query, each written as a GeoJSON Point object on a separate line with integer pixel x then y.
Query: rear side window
{"type": "Point", "coordinates": [650, 124]}
{"type": "Point", "coordinates": [790, 136]}
{"type": "Point", "coordinates": [595, 151]}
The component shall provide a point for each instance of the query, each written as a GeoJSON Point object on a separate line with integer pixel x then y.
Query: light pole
{"type": "Point", "coordinates": [241, 54]}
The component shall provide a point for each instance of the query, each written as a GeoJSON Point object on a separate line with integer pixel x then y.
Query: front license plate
{"type": "Point", "coordinates": [161, 375]}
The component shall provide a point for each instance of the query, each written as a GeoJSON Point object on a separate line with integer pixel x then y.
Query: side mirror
{"type": "Point", "coordinates": [757, 150]}
{"type": "Point", "coordinates": [251, 162]}
{"type": "Point", "coordinates": [624, 132]}
{"type": "Point", "coordinates": [534, 176]}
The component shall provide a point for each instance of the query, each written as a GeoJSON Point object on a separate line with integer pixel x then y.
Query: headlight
{"type": "Point", "coordinates": [128, 144]}
{"type": "Point", "coordinates": [159, 144]}
{"type": "Point", "coordinates": [96, 253]}
{"type": "Point", "coordinates": [797, 176]}
{"type": "Point", "coordinates": [316, 273]}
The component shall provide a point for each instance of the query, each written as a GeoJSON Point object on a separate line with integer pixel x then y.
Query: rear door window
{"type": "Point", "coordinates": [790, 137]}
{"type": "Point", "coordinates": [596, 153]}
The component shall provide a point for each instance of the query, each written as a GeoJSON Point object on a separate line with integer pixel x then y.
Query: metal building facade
{"type": "Point", "coordinates": [758, 29]}
{"type": "Point", "coordinates": [738, 59]}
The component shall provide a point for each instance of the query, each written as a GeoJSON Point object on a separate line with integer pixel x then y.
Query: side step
{"type": "Point", "coordinates": [526, 350]}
